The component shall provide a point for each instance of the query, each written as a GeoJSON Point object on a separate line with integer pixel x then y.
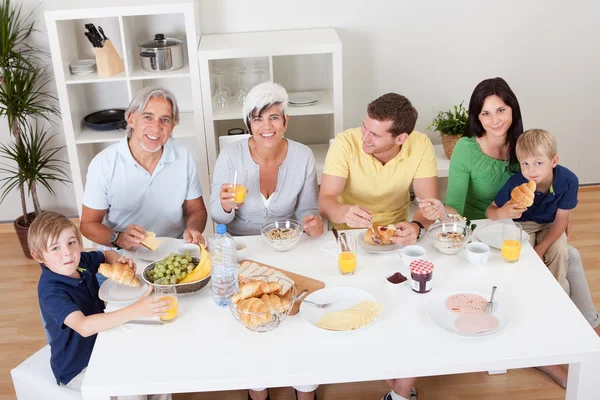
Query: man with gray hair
{"type": "Point", "coordinates": [145, 182]}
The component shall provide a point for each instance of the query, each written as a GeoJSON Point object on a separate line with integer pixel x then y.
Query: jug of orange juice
{"type": "Point", "coordinates": [347, 245]}
{"type": "Point", "coordinates": [512, 236]}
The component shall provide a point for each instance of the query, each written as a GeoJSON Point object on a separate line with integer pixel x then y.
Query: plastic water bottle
{"type": "Point", "coordinates": [223, 266]}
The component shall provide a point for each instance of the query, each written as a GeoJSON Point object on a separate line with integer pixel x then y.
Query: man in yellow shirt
{"type": "Point", "coordinates": [368, 171]}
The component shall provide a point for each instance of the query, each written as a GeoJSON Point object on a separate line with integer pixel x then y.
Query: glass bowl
{"type": "Point", "coordinates": [265, 321]}
{"type": "Point", "coordinates": [282, 235]}
{"type": "Point", "coordinates": [449, 237]}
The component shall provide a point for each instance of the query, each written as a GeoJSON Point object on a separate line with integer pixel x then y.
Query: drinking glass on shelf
{"type": "Point", "coordinates": [512, 237]}
{"type": "Point", "coordinates": [221, 97]}
{"type": "Point", "coordinates": [238, 178]}
{"type": "Point", "coordinates": [259, 71]}
{"type": "Point", "coordinates": [167, 292]}
{"type": "Point", "coordinates": [347, 245]}
{"type": "Point", "coordinates": [242, 92]}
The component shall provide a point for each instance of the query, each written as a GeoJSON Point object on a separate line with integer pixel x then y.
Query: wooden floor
{"type": "Point", "coordinates": [21, 332]}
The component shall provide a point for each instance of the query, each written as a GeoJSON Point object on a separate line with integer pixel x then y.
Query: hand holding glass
{"type": "Point", "coordinates": [238, 181]}
{"type": "Point", "coordinates": [168, 293]}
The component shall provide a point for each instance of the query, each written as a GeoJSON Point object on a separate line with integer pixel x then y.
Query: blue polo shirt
{"type": "Point", "coordinates": [562, 194]}
{"type": "Point", "coordinates": [61, 295]}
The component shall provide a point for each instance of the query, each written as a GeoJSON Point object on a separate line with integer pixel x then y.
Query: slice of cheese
{"type": "Point", "coordinates": [151, 242]}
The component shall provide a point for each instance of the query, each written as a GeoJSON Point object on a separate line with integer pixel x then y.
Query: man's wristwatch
{"type": "Point", "coordinates": [421, 229]}
{"type": "Point", "coordinates": [113, 240]}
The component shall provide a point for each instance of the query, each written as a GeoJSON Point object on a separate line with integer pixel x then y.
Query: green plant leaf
{"type": "Point", "coordinates": [451, 122]}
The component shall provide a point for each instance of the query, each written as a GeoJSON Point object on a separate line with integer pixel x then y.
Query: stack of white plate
{"type": "Point", "coordinates": [82, 67]}
{"type": "Point", "coordinates": [301, 99]}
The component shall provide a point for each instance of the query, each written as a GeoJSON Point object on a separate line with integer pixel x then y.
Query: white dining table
{"type": "Point", "coordinates": [206, 349]}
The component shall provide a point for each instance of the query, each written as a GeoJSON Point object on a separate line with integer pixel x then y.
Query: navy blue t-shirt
{"type": "Point", "coordinates": [562, 194]}
{"type": "Point", "coordinates": [61, 295]}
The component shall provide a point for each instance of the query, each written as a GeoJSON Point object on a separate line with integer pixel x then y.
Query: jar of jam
{"type": "Point", "coordinates": [421, 272]}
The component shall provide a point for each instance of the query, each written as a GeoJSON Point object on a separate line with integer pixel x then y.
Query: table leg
{"type": "Point", "coordinates": [583, 380]}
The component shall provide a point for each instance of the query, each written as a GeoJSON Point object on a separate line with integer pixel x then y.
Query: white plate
{"type": "Point", "coordinates": [302, 98]}
{"type": "Point", "coordinates": [168, 246]}
{"type": "Point", "coordinates": [112, 291]}
{"type": "Point", "coordinates": [376, 248]}
{"type": "Point", "coordinates": [341, 297]}
{"type": "Point", "coordinates": [492, 235]}
{"type": "Point", "coordinates": [444, 318]}
{"type": "Point", "coordinates": [302, 104]}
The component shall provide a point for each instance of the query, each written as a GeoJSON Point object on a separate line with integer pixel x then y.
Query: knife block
{"type": "Point", "coordinates": [108, 61]}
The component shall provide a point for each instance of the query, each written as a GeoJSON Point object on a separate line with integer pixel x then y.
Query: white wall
{"type": "Point", "coordinates": [435, 52]}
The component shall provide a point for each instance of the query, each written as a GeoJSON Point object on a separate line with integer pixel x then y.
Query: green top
{"type": "Point", "coordinates": [474, 179]}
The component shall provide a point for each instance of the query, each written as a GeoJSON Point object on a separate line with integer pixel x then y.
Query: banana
{"type": "Point", "coordinates": [202, 270]}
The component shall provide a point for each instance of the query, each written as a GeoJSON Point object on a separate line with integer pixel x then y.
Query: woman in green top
{"type": "Point", "coordinates": [482, 162]}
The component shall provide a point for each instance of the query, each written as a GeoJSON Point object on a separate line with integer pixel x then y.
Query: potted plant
{"type": "Point", "coordinates": [451, 124]}
{"type": "Point", "coordinates": [24, 99]}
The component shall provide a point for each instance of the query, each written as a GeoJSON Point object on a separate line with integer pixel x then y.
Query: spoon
{"type": "Point", "coordinates": [454, 217]}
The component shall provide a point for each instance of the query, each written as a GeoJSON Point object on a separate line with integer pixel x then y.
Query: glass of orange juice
{"type": "Point", "coordinates": [512, 236]}
{"type": "Point", "coordinates": [238, 181]}
{"type": "Point", "coordinates": [347, 245]}
{"type": "Point", "coordinates": [167, 293]}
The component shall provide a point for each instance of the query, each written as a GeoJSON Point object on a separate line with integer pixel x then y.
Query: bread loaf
{"type": "Point", "coordinates": [120, 273]}
{"type": "Point", "coordinates": [384, 233]}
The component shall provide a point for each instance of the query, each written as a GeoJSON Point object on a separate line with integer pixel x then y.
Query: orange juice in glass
{"type": "Point", "coordinates": [238, 181]}
{"type": "Point", "coordinates": [347, 261]}
{"type": "Point", "coordinates": [512, 236]}
{"type": "Point", "coordinates": [167, 293]}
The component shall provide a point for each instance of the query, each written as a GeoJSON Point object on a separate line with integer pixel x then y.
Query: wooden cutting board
{"type": "Point", "coordinates": [303, 283]}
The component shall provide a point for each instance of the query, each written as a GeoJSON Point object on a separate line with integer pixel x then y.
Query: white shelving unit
{"type": "Point", "coordinates": [127, 23]}
{"type": "Point", "coordinates": [301, 60]}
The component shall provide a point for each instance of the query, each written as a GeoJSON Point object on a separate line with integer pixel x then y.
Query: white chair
{"type": "Point", "coordinates": [34, 380]}
{"type": "Point", "coordinates": [225, 140]}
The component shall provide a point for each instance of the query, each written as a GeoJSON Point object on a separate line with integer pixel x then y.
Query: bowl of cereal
{"type": "Point", "coordinates": [282, 235]}
{"type": "Point", "coordinates": [449, 237]}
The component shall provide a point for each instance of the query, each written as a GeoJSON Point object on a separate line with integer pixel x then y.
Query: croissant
{"type": "Point", "coordinates": [524, 194]}
{"type": "Point", "coordinates": [256, 289]}
{"type": "Point", "coordinates": [120, 273]}
{"type": "Point", "coordinates": [253, 312]}
{"type": "Point", "coordinates": [273, 302]}
{"type": "Point", "coordinates": [384, 233]}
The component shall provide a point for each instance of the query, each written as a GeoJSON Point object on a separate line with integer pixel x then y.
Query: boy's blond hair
{"type": "Point", "coordinates": [536, 143]}
{"type": "Point", "coordinates": [46, 227]}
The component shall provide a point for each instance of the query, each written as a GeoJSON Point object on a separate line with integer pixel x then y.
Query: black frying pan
{"type": "Point", "coordinates": [106, 120]}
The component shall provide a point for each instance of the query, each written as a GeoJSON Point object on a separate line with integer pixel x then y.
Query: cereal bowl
{"type": "Point", "coordinates": [282, 235]}
{"type": "Point", "coordinates": [449, 237]}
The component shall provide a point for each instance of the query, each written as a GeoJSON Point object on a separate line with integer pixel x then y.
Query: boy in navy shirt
{"type": "Point", "coordinates": [68, 295]}
{"type": "Point", "coordinates": [555, 196]}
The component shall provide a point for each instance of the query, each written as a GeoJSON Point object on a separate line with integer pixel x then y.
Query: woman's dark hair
{"type": "Point", "coordinates": [498, 87]}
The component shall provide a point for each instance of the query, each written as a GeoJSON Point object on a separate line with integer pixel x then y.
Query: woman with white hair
{"type": "Point", "coordinates": [282, 181]}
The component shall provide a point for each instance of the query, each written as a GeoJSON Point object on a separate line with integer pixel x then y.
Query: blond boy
{"type": "Point", "coordinates": [555, 196]}
{"type": "Point", "coordinates": [68, 294]}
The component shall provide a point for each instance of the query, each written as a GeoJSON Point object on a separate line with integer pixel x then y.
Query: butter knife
{"type": "Point", "coordinates": [145, 322]}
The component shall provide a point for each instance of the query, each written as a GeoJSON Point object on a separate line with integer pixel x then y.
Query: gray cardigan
{"type": "Point", "coordinates": [295, 195]}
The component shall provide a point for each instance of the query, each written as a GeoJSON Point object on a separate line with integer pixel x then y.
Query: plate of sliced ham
{"type": "Point", "coordinates": [462, 313]}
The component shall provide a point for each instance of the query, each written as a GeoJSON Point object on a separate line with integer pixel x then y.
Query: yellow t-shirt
{"type": "Point", "coordinates": [383, 189]}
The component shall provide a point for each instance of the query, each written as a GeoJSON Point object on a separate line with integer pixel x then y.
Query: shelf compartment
{"type": "Point", "coordinates": [323, 106]}
{"type": "Point", "coordinates": [185, 128]}
{"type": "Point", "coordinates": [75, 46]}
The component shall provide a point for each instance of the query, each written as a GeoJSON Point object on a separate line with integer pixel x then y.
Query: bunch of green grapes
{"type": "Point", "coordinates": [174, 267]}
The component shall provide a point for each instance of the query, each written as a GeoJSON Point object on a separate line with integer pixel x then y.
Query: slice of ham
{"type": "Point", "coordinates": [476, 322]}
{"type": "Point", "coordinates": [465, 302]}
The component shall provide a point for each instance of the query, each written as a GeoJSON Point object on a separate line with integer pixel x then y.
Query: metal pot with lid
{"type": "Point", "coordinates": [161, 54]}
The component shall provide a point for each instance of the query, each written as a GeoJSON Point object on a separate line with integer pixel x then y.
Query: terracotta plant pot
{"type": "Point", "coordinates": [22, 229]}
{"type": "Point", "coordinates": [448, 142]}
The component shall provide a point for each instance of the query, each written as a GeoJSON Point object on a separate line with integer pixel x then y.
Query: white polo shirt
{"type": "Point", "coordinates": [117, 183]}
